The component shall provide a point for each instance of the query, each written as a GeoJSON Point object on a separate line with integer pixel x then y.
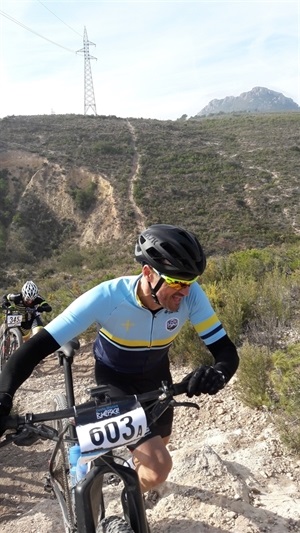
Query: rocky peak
{"type": "Point", "coordinates": [258, 100]}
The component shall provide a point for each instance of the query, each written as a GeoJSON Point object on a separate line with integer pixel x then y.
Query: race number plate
{"type": "Point", "coordinates": [14, 321]}
{"type": "Point", "coordinates": [110, 426]}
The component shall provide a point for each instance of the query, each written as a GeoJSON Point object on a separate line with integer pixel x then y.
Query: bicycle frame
{"type": "Point", "coordinates": [89, 500]}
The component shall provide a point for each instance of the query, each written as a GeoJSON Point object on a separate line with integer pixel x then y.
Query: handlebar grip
{"type": "Point", "coordinates": [180, 388]}
{"type": "Point", "coordinates": [10, 422]}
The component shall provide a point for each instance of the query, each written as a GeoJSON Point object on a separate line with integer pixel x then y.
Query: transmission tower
{"type": "Point", "coordinates": [89, 96]}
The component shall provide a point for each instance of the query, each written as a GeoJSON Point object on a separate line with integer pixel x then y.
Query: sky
{"type": "Point", "coordinates": [153, 59]}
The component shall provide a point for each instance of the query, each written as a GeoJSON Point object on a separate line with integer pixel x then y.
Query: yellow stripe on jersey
{"type": "Point", "coordinates": [137, 343]}
{"type": "Point", "coordinates": [207, 324]}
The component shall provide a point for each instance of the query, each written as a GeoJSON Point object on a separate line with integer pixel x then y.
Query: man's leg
{"type": "Point", "coordinates": [153, 462]}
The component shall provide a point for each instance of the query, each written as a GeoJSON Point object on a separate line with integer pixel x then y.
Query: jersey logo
{"type": "Point", "coordinates": [172, 323]}
{"type": "Point", "coordinates": [127, 325]}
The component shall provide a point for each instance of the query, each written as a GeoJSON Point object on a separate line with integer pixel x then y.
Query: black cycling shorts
{"type": "Point", "coordinates": [137, 384]}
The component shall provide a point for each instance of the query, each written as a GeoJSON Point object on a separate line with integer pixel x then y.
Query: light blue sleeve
{"type": "Point", "coordinates": [203, 316]}
{"type": "Point", "coordinates": [80, 314]}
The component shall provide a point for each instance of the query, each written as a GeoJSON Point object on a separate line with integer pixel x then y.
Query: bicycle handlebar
{"type": "Point", "coordinates": [165, 392]}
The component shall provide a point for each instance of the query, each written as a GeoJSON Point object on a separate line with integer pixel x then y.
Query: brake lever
{"type": "Point", "coordinates": [31, 434]}
{"type": "Point", "coordinates": [9, 437]}
{"type": "Point", "coordinates": [47, 432]}
{"type": "Point", "coordinates": [174, 403]}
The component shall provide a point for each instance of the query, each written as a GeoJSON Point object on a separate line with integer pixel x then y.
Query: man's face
{"type": "Point", "coordinates": [168, 297]}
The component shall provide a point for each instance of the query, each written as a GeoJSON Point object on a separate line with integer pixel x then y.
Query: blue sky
{"type": "Point", "coordinates": [155, 59]}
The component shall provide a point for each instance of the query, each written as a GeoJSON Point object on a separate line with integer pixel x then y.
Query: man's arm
{"type": "Point", "coordinates": [211, 379]}
{"type": "Point", "coordinates": [23, 361]}
{"type": "Point", "coordinates": [42, 306]}
{"type": "Point", "coordinates": [5, 301]}
{"type": "Point", "coordinates": [225, 356]}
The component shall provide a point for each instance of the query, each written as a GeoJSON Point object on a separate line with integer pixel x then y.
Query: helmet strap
{"type": "Point", "coordinates": [155, 289]}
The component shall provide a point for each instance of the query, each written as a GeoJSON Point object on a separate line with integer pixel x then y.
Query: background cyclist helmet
{"type": "Point", "coordinates": [29, 291]}
{"type": "Point", "coordinates": [171, 250]}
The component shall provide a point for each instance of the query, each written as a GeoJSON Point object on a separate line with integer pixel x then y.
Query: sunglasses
{"type": "Point", "coordinates": [176, 284]}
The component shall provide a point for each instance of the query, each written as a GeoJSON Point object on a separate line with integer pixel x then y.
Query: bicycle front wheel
{"type": "Point", "coordinates": [59, 463]}
{"type": "Point", "coordinates": [15, 339]}
{"type": "Point", "coordinates": [3, 356]}
{"type": "Point", "coordinates": [114, 524]}
{"type": "Point", "coordinates": [11, 339]}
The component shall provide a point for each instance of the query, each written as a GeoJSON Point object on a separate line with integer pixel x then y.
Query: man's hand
{"type": "Point", "coordinates": [6, 402]}
{"type": "Point", "coordinates": [205, 380]}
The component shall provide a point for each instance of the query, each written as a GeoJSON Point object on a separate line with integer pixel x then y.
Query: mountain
{"type": "Point", "coordinates": [81, 187]}
{"type": "Point", "coordinates": [258, 100]}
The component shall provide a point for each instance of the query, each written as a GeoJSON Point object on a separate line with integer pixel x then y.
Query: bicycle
{"type": "Point", "coordinates": [10, 335]}
{"type": "Point", "coordinates": [99, 426]}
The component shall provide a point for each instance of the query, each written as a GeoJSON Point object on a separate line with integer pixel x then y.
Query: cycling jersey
{"type": "Point", "coordinates": [131, 338]}
{"type": "Point", "coordinates": [28, 311]}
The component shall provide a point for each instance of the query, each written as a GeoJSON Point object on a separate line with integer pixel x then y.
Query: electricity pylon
{"type": "Point", "coordinates": [89, 96]}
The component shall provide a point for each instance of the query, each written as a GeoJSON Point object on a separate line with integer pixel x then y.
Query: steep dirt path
{"type": "Point", "coordinates": [140, 219]}
{"type": "Point", "coordinates": [231, 473]}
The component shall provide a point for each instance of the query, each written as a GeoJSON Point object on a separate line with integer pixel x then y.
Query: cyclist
{"type": "Point", "coordinates": [139, 317]}
{"type": "Point", "coordinates": [29, 304]}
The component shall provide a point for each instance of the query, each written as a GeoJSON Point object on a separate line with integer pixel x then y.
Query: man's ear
{"type": "Point", "coordinates": [147, 271]}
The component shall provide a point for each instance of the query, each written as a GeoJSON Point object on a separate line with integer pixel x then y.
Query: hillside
{"type": "Point", "coordinates": [78, 182]}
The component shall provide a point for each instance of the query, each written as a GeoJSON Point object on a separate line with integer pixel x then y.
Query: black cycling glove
{"type": "Point", "coordinates": [6, 402]}
{"type": "Point", "coordinates": [205, 380]}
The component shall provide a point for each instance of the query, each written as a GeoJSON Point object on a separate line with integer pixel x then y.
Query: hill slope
{"type": "Point", "coordinates": [78, 181]}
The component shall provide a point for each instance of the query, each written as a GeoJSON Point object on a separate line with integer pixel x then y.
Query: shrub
{"type": "Point", "coordinates": [253, 376]}
{"type": "Point", "coordinates": [84, 198]}
{"type": "Point", "coordinates": [272, 310]}
{"type": "Point", "coordinates": [285, 380]}
{"type": "Point", "coordinates": [188, 348]}
{"type": "Point", "coordinates": [71, 258]}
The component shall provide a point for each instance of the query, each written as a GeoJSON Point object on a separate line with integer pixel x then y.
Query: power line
{"type": "Point", "coordinates": [32, 31]}
{"type": "Point", "coordinates": [59, 18]}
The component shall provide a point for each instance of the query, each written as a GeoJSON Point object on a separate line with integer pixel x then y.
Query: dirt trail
{"type": "Point", "coordinates": [140, 219]}
{"type": "Point", "coordinates": [231, 473]}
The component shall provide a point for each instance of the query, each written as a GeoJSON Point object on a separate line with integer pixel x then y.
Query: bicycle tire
{"type": "Point", "coordinates": [15, 341]}
{"type": "Point", "coordinates": [2, 350]}
{"type": "Point", "coordinates": [60, 464]}
{"type": "Point", "coordinates": [114, 524]}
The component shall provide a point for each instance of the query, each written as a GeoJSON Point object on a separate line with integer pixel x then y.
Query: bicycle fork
{"type": "Point", "coordinates": [90, 503]}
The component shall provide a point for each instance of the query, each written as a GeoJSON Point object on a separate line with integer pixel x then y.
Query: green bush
{"type": "Point", "coordinates": [188, 349]}
{"type": "Point", "coordinates": [84, 198]}
{"type": "Point", "coordinates": [253, 376]}
{"type": "Point", "coordinates": [71, 258]}
{"type": "Point", "coordinates": [285, 380]}
{"type": "Point", "coordinates": [272, 311]}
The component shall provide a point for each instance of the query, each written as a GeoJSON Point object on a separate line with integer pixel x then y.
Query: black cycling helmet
{"type": "Point", "coordinates": [171, 250]}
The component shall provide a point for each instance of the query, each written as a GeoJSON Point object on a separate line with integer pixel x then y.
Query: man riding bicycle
{"type": "Point", "coordinates": [138, 318]}
{"type": "Point", "coordinates": [29, 304]}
